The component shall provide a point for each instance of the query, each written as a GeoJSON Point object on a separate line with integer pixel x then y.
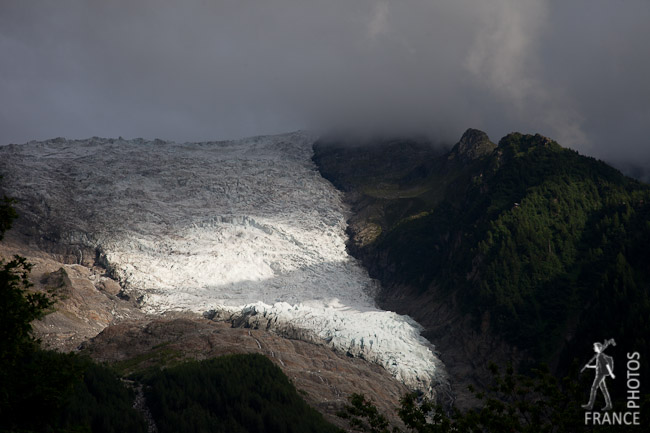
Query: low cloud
{"type": "Point", "coordinates": [198, 70]}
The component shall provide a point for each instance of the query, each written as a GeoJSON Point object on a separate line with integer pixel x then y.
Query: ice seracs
{"type": "Point", "coordinates": [247, 229]}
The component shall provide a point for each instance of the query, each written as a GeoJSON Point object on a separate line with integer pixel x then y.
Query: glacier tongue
{"type": "Point", "coordinates": [246, 228]}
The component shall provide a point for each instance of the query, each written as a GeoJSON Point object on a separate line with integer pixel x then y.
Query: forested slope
{"type": "Point", "coordinates": [544, 247]}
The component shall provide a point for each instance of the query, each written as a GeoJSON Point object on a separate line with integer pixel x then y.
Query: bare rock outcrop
{"type": "Point", "coordinates": [472, 145]}
{"type": "Point", "coordinates": [87, 300]}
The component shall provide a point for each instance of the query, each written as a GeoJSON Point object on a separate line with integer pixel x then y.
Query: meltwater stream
{"type": "Point", "coordinates": [247, 229]}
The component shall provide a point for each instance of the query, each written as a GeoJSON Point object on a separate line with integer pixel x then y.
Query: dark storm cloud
{"type": "Point", "coordinates": [209, 69]}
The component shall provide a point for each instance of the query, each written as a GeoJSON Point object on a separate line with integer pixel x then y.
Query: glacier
{"type": "Point", "coordinates": [246, 230]}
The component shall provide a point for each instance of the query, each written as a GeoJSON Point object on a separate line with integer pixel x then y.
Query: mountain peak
{"type": "Point", "coordinates": [517, 142]}
{"type": "Point", "coordinates": [472, 145]}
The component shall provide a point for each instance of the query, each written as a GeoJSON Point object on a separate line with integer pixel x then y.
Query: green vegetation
{"type": "Point", "coordinates": [54, 392]}
{"type": "Point", "coordinates": [234, 393]}
{"type": "Point", "coordinates": [574, 245]}
{"type": "Point", "coordinates": [158, 356]}
{"type": "Point", "coordinates": [536, 403]}
{"type": "Point", "coordinates": [47, 391]}
{"type": "Point", "coordinates": [362, 415]}
{"type": "Point", "coordinates": [537, 240]}
{"type": "Point", "coordinates": [98, 403]}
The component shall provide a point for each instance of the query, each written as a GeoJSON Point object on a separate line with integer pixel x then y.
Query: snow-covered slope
{"type": "Point", "coordinates": [246, 228]}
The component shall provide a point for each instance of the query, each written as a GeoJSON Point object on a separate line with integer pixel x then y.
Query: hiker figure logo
{"type": "Point", "coordinates": [604, 366]}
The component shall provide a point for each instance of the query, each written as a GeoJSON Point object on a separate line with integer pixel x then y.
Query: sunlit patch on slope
{"type": "Point", "coordinates": [224, 259]}
{"type": "Point", "coordinates": [247, 229]}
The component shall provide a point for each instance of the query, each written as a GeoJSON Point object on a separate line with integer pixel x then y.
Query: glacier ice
{"type": "Point", "coordinates": [246, 228]}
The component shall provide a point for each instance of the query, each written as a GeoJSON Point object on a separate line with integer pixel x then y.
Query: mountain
{"type": "Point", "coordinates": [521, 252]}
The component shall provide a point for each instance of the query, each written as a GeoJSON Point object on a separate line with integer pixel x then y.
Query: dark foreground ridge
{"type": "Point", "coordinates": [523, 253]}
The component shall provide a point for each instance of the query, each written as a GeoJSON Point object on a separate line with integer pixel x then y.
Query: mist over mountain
{"type": "Point", "coordinates": [389, 241]}
{"type": "Point", "coordinates": [194, 70]}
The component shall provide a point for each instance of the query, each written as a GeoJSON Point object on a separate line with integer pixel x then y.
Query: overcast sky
{"type": "Point", "coordinates": [574, 70]}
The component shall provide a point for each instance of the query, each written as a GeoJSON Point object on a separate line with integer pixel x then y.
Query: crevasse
{"type": "Point", "coordinates": [247, 229]}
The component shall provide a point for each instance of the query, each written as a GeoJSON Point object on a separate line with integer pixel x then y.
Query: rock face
{"type": "Point", "coordinates": [245, 228]}
{"type": "Point", "coordinates": [87, 301]}
{"type": "Point", "coordinates": [472, 145]}
{"type": "Point", "coordinates": [324, 377]}
{"type": "Point", "coordinates": [467, 350]}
